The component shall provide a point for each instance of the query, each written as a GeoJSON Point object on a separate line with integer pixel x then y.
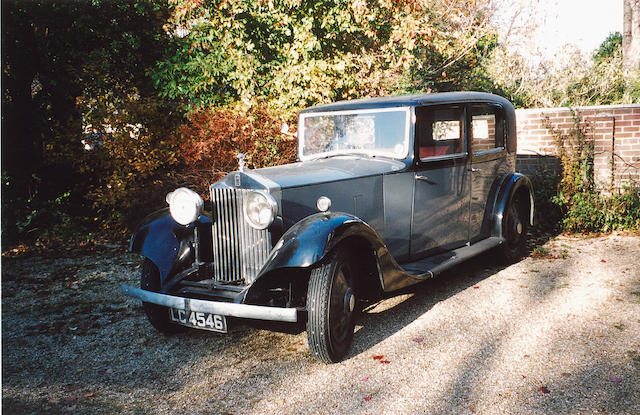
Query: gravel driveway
{"type": "Point", "coordinates": [555, 333]}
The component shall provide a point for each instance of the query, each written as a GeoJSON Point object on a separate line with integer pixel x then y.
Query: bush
{"type": "Point", "coordinates": [133, 160]}
{"type": "Point", "coordinates": [210, 142]}
{"type": "Point", "coordinates": [548, 214]}
{"type": "Point", "coordinates": [584, 206]}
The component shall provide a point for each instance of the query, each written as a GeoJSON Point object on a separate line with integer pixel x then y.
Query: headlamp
{"type": "Point", "coordinates": [260, 209]}
{"type": "Point", "coordinates": [185, 205]}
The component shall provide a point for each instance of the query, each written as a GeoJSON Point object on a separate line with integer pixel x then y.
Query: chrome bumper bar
{"type": "Point", "coordinates": [214, 307]}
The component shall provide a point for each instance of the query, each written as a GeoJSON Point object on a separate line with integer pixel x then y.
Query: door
{"type": "Point", "coordinates": [440, 219]}
{"type": "Point", "coordinates": [488, 163]}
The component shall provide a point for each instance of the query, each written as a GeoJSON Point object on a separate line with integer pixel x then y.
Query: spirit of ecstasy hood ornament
{"type": "Point", "coordinates": [241, 162]}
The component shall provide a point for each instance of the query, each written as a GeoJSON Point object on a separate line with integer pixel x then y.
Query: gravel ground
{"type": "Point", "coordinates": [558, 332]}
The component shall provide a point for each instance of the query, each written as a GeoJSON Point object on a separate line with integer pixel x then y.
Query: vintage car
{"type": "Point", "coordinates": [387, 192]}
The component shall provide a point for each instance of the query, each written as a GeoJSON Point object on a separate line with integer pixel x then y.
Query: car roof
{"type": "Point", "coordinates": [411, 100]}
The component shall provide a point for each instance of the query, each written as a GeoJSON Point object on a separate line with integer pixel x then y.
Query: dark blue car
{"type": "Point", "coordinates": [387, 192]}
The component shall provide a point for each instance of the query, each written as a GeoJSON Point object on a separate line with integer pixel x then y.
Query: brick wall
{"type": "Point", "coordinates": [614, 131]}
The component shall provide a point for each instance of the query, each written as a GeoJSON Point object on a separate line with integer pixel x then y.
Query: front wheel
{"type": "Point", "coordinates": [331, 308]}
{"type": "Point", "coordinates": [158, 315]}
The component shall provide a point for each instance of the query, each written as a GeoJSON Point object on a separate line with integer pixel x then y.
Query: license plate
{"type": "Point", "coordinates": [199, 320]}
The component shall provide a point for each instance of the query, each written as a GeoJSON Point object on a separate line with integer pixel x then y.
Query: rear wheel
{"type": "Point", "coordinates": [157, 315]}
{"type": "Point", "coordinates": [331, 308]}
{"type": "Point", "coordinates": [515, 230]}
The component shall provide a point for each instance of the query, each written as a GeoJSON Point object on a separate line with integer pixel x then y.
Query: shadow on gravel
{"type": "Point", "coordinates": [593, 389]}
{"type": "Point", "coordinates": [378, 327]}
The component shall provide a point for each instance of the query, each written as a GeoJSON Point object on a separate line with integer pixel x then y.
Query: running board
{"type": "Point", "coordinates": [432, 266]}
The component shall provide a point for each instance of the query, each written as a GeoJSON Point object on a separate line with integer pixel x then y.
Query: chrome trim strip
{"type": "Point", "coordinates": [269, 184]}
{"type": "Point", "coordinates": [214, 307]}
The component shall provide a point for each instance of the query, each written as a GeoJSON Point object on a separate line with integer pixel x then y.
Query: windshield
{"type": "Point", "coordinates": [379, 132]}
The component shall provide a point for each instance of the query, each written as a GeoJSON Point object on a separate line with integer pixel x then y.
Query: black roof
{"type": "Point", "coordinates": [411, 100]}
{"type": "Point", "coordinates": [429, 99]}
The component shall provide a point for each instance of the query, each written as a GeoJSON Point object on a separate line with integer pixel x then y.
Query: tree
{"type": "Point", "coordinates": [567, 79]}
{"type": "Point", "coordinates": [608, 48]}
{"type": "Point", "coordinates": [67, 66]}
{"type": "Point", "coordinates": [295, 53]}
{"type": "Point", "coordinates": [631, 34]}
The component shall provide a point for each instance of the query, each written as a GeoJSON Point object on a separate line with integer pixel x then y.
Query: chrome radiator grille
{"type": "Point", "coordinates": [239, 251]}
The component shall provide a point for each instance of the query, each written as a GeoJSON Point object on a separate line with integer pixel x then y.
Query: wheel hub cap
{"type": "Point", "coordinates": [518, 227]}
{"type": "Point", "coordinates": [349, 301]}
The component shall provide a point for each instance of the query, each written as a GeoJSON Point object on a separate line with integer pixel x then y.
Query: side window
{"type": "Point", "coordinates": [487, 131]}
{"type": "Point", "coordinates": [439, 131]}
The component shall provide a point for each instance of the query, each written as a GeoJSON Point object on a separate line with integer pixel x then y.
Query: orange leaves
{"type": "Point", "coordinates": [210, 141]}
{"type": "Point", "coordinates": [380, 358]}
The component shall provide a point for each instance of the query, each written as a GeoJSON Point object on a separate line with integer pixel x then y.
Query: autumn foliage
{"type": "Point", "coordinates": [209, 143]}
{"type": "Point", "coordinates": [102, 116]}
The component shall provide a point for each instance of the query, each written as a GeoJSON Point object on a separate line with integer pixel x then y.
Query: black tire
{"type": "Point", "coordinates": [332, 307]}
{"type": "Point", "coordinates": [157, 315]}
{"type": "Point", "coordinates": [514, 230]}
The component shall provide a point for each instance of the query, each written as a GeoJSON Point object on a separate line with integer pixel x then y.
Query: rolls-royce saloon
{"type": "Point", "coordinates": [387, 192]}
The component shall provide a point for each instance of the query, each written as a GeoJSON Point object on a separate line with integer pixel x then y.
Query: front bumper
{"type": "Point", "coordinates": [214, 307]}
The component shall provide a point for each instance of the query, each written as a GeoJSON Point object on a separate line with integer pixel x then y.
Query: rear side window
{"type": "Point", "coordinates": [487, 129]}
{"type": "Point", "coordinates": [439, 131]}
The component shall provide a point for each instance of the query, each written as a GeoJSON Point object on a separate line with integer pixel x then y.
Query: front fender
{"type": "Point", "coordinates": [308, 241]}
{"type": "Point", "coordinates": [165, 242]}
{"type": "Point", "coordinates": [512, 184]}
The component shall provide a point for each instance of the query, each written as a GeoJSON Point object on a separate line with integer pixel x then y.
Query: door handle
{"type": "Point", "coordinates": [425, 179]}
{"type": "Point", "coordinates": [474, 170]}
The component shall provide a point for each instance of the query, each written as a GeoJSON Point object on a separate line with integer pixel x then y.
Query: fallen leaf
{"type": "Point", "coordinates": [88, 395]}
{"type": "Point", "coordinates": [367, 398]}
{"type": "Point", "coordinates": [385, 362]}
{"type": "Point", "coordinates": [364, 379]}
{"type": "Point", "coordinates": [378, 357]}
{"type": "Point", "coordinates": [603, 260]}
{"type": "Point", "coordinates": [615, 379]}
{"type": "Point", "coordinates": [472, 408]}
{"type": "Point", "coordinates": [417, 340]}
{"type": "Point", "coordinates": [475, 287]}
{"type": "Point", "coordinates": [565, 374]}
{"type": "Point", "coordinates": [544, 389]}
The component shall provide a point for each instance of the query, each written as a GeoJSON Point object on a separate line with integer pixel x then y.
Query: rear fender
{"type": "Point", "coordinates": [512, 184]}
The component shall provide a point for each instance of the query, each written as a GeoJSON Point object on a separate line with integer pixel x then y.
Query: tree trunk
{"type": "Point", "coordinates": [631, 34]}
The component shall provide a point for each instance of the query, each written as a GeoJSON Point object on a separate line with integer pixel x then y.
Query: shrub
{"type": "Point", "coordinates": [548, 214]}
{"type": "Point", "coordinates": [585, 207]}
{"type": "Point", "coordinates": [134, 160]}
{"type": "Point", "coordinates": [210, 141]}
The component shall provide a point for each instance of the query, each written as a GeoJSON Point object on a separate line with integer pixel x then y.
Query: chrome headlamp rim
{"type": "Point", "coordinates": [185, 205]}
{"type": "Point", "coordinates": [270, 206]}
